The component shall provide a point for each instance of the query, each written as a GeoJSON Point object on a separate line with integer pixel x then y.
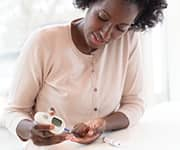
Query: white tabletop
{"type": "Point", "coordinates": [159, 129]}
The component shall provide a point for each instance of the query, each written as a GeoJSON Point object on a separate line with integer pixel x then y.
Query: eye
{"type": "Point", "coordinates": [103, 17]}
{"type": "Point", "coordinates": [121, 29]}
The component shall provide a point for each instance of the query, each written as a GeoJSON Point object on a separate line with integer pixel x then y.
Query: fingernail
{"type": "Point", "coordinates": [52, 111]}
{"type": "Point", "coordinates": [69, 138]}
{"type": "Point", "coordinates": [52, 126]}
{"type": "Point", "coordinates": [90, 133]}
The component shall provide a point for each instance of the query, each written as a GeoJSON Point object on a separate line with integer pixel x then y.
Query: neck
{"type": "Point", "coordinates": [78, 37]}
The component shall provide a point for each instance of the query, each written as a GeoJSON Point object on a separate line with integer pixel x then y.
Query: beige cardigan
{"type": "Point", "coordinates": [52, 72]}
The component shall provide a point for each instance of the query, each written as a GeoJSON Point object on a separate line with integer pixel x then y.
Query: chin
{"type": "Point", "coordinates": [94, 46]}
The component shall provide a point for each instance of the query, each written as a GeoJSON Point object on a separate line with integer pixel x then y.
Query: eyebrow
{"type": "Point", "coordinates": [121, 24]}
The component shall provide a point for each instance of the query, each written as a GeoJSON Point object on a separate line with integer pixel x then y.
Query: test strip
{"type": "Point", "coordinates": [112, 142]}
{"type": "Point", "coordinates": [67, 130]}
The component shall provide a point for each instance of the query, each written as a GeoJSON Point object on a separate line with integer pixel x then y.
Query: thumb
{"type": "Point", "coordinates": [90, 132]}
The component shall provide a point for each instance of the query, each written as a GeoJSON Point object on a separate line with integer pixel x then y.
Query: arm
{"type": "Point", "coordinates": [115, 121]}
{"type": "Point", "coordinates": [26, 84]}
{"type": "Point", "coordinates": [132, 101]}
{"type": "Point", "coordinates": [131, 104]}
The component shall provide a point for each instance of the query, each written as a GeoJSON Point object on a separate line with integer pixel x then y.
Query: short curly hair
{"type": "Point", "coordinates": [151, 12]}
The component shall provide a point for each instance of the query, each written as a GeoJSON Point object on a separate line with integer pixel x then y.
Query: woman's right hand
{"type": "Point", "coordinates": [85, 133]}
{"type": "Point", "coordinates": [39, 133]}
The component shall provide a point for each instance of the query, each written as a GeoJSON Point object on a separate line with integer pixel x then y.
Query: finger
{"type": "Point", "coordinates": [91, 132]}
{"type": "Point", "coordinates": [52, 111]}
{"type": "Point", "coordinates": [41, 130]}
{"type": "Point", "coordinates": [80, 126]}
{"type": "Point", "coordinates": [44, 127]}
{"type": "Point", "coordinates": [95, 131]}
{"type": "Point", "coordinates": [36, 140]}
{"type": "Point", "coordinates": [69, 137]}
{"type": "Point", "coordinates": [55, 139]}
{"type": "Point", "coordinates": [80, 130]}
{"type": "Point", "coordinates": [85, 140]}
{"type": "Point", "coordinates": [43, 134]}
{"type": "Point", "coordinates": [41, 141]}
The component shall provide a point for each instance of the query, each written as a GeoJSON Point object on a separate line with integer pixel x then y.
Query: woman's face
{"type": "Point", "coordinates": [107, 20]}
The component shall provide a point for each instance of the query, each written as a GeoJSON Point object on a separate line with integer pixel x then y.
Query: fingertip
{"type": "Point", "coordinates": [51, 126]}
{"type": "Point", "coordinates": [52, 111]}
{"type": "Point", "coordinates": [69, 138]}
{"type": "Point", "coordinates": [44, 127]}
{"type": "Point", "coordinates": [90, 132]}
{"type": "Point", "coordinates": [73, 139]}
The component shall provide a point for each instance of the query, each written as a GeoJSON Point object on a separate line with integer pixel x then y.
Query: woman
{"type": "Point", "coordinates": [89, 71]}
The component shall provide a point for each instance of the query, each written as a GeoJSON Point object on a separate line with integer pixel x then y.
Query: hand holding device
{"type": "Point", "coordinates": [46, 118]}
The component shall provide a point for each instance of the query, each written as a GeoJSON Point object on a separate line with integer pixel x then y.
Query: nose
{"type": "Point", "coordinates": [106, 32]}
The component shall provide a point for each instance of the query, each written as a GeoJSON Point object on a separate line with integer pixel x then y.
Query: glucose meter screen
{"type": "Point", "coordinates": [56, 121]}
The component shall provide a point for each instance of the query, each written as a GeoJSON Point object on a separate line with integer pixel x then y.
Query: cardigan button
{"type": "Point", "coordinates": [92, 70]}
{"type": "Point", "coordinates": [95, 89]}
{"type": "Point", "coordinates": [95, 109]}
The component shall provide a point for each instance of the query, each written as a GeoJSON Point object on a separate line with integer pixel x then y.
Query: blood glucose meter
{"type": "Point", "coordinates": [46, 118]}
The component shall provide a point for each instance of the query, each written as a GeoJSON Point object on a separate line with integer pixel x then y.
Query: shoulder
{"type": "Point", "coordinates": [45, 39]}
{"type": "Point", "coordinates": [129, 39]}
{"type": "Point", "coordinates": [127, 44]}
{"type": "Point", "coordinates": [132, 37]}
{"type": "Point", "coordinates": [50, 33]}
{"type": "Point", "coordinates": [132, 41]}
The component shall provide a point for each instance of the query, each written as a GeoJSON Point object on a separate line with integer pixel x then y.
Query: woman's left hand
{"type": "Point", "coordinates": [86, 133]}
{"type": "Point", "coordinates": [96, 126]}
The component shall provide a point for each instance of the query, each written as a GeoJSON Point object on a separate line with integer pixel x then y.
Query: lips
{"type": "Point", "coordinates": [96, 39]}
{"type": "Point", "coordinates": [99, 38]}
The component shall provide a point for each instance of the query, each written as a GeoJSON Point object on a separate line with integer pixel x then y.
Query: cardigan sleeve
{"type": "Point", "coordinates": [132, 100]}
{"type": "Point", "coordinates": [27, 82]}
